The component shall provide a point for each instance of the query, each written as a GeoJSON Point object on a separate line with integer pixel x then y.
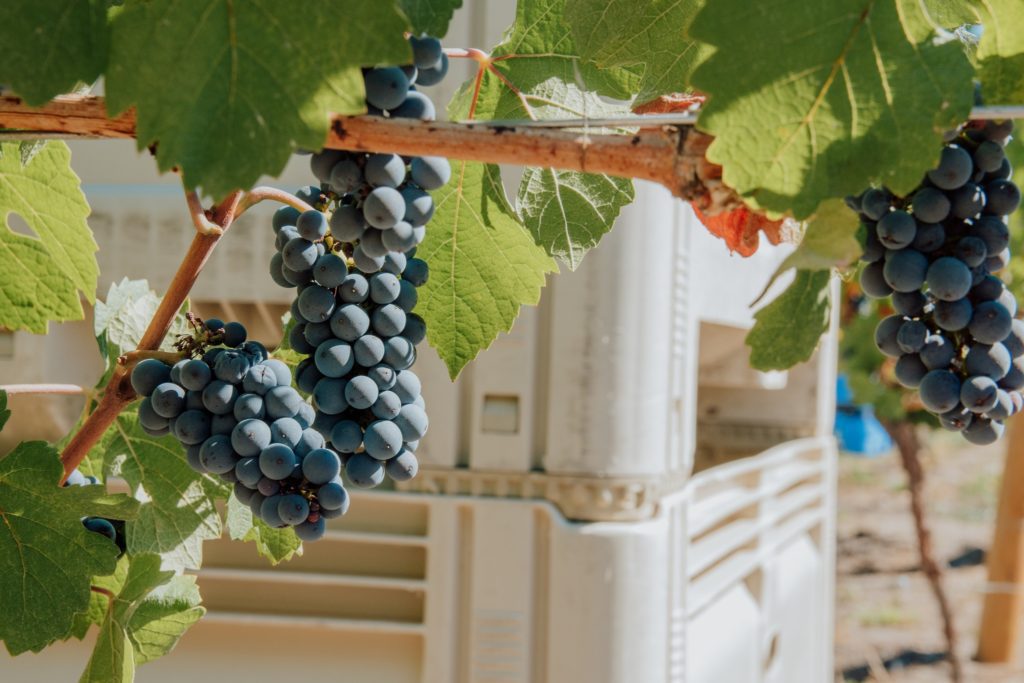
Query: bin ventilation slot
{"type": "Point", "coordinates": [500, 414]}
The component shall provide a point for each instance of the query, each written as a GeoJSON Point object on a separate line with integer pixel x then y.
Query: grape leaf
{"type": "Point", "coordinates": [5, 413]}
{"type": "Point", "coordinates": [150, 611]}
{"type": "Point", "coordinates": [47, 558]}
{"type": "Point", "coordinates": [568, 212]}
{"type": "Point", "coordinates": [179, 511]}
{"type": "Point", "coordinates": [121, 319]}
{"type": "Point", "coordinates": [40, 276]}
{"type": "Point", "coordinates": [483, 265]}
{"type": "Point", "coordinates": [277, 545]}
{"type": "Point", "coordinates": [50, 45]}
{"type": "Point", "coordinates": [650, 33]}
{"type": "Point", "coordinates": [787, 330]}
{"type": "Point", "coordinates": [856, 92]}
{"type": "Point", "coordinates": [430, 16]}
{"type": "Point", "coordinates": [1001, 51]}
{"type": "Point", "coordinates": [241, 85]}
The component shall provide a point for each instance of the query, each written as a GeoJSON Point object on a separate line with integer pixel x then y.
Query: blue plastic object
{"type": "Point", "coordinates": [857, 429]}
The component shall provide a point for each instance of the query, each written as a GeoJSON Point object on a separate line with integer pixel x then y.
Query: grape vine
{"type": "Point", "coordinates": [768, 143]}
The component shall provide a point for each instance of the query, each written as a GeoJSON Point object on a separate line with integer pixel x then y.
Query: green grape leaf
{"type": "Point", "coordinates": [277, 545]}
{"type": "Point", "coordinates": [430, 16]}
{"type": "Point", "coordinates": [151, 609]}
{"type": "Point", "coordinates": [652, 34]}
{"type": "Point", "coordinates": [242, 85]}
{"type": "Point", "coordinates": [1001, 51]}
{"type": "Point", "coordinates": [51, 45]}
{"type": "Point", "coordinates": [179, 511]}
{"type": "Point", "coordinates": [568, 212]}
{"type": "Point", "coordinates": [47, 558]}
{"type": "Point", "coordinates": [5, 412]}
{"type": "Point", "coordinates": [121, 319]}
{"type": "Point", "coordinates": [41, 276]}
{"type": "Point", "coordinates": [787, 330]}
{"type": "Point", "coordinates": [858, 92]}
{"type": "Point", "coordinates": [163, 617]}
{"type": "Point", "coordinates": [483, 265]}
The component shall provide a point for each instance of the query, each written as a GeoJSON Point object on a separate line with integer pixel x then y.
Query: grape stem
{"type": "Point", "coordinates": [198, 214]}
{"type": "Point", "coordinates": [133, 358]}
{"type": "Point", "coordinates": [118, 393]}
{"type": "Point", "coordinates": [671, 155]}
{"type": "Point", "coordinates": [68, 389]}
{"type": "Point", "coordinates": [263, 193]}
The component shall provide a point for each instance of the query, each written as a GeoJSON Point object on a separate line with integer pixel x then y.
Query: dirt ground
{"type": "Point", "coordinates": [884, 605]}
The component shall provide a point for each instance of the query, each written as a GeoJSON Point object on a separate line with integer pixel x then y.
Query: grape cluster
{"type": "Point", "coordinates": [239, 418]}
{"type": "Point", "coordinates": [111, 528]}
{"type": "Point", "coordinates": [934, 252]}
{"type": "Point", "coordinates": [353, 263]}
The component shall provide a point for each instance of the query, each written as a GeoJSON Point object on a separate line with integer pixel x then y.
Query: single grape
{"type": "Point", "coordinates": [346, 176]}
{"type": "Point", "coordinates": [192, 427]}
{"type": "Point", "coordinates": [403, 466]}
{"type": "Point", "coordinates": [956, 420]}
{"type": "Point", "coordinates": [286, 234]}
{"type": "Point", "coordinates": [250, 436]}
{"type": "Point", "coordinates": [361, 392]}
{"type": "Point", "coordinates": [929, 237]}
{"type": "Point", "coordinates": [350, 322]}
{"type": "Point", "coordinates": [1003, 407]}
{"type": "Point", "coordinates": [299, 254]}
{"type": "Point", "coordinates": [368, 350]}
{"type": "Point", "coordinates": [1014, 341]}
{"type": "Point", "coordinates": [952, 315]}
{"type": "Point", "coordinates": [311, 531]}
{"type": "Point", "coordinates": [387, 406]}
{"type": "Point", "coordinates": [100, 526]}
{"type": "Point", "coordinates": [407, 386]}
{"type": "Point", "coordinates": [415, 329]}
{"type": "Point", "coordinates": [971, 250]}
{"type": "Point", "coordinates": [330, 270]}
{"type": "Point", "coordinates": [364, 471]}
{"type": "Point", "coordinates": [346, 436]}
{"type": "Point", "coordinates": [149, 418]}
{"type": "Point", "coordinates": [293, 509]}
{"type": "Point", "coordinates": [940, 391]}
{"type": "Point", "coordinates": [978, 394]}
{"type": "Point", "coordinates": [387, 321]}
{"type": "Point", "coordinates": [426, 52]}
{"type": "Point", "coordinates": [321, 466]}
{"type": "Point", "coordinates": [223, 424]}
{"type": "Point", "coordinates": [1003, 197]}
{"type": "Point", "coordinates": [433, 76]}
{"type": "Point", "coordinates": [968, 201]}
{"type": "Point", "coordinates": [333, 496]}
{"type": "Point", "coordinates": [949, 278]}
{"type": "Point", "coordinates": [415, 106]}
{"type": "Point", "coordinates": [372, 245]}
{"type": "Point", "coordinates": [287, 215]}
{"type": "Point", "coordinates": [384, 170]}
{"type": "Point", "coordinates": [148, 374]}
{"type": "Point", "coordinates": [248, 471]}
{"type": "Point", "coordinates": [399, 353]}
{"type": "Point", "coordinates": [168, 400]}
{"type": "Point", "coordinates": [909, 371]}
{"type": "Point", "coordinates": [408, 297]}
{"type": "Point", "coordinates": [931, 205]}
{"type": "Point", "coordinates": [954, 169]}
{"type": "Point", "coordinates": [306, 376]}
{"type": "Point", "coordinates": [354, 289]}
{"type": "Point", "coordinates": [905, 270]}
{"type": "Point", "coordinates": [249, 406]}
{"type": "Point", "coordinates": [988, 360]}
{"type": "Point", "coordinates": [280, 370]}
{"type": "Point", "coordinates": [334, 358]}
{"type": "Point", "coordinates": [994, 232]}
{"type": "Point", "coordinates": [996, 262]}
{"type": "Point", "coordinates": [297, 339]}
{"type": "Point", "coordinates": [283, 402]}
{"type": "Point", "coordinates": [234, 334]}
{"type": "Point", "coordinates": [287, 431]}
{"type": "Point", "coordinates": [277, 461]}
{"type": "Point", "coordinates": [269, 514]}
{"type": "Point", "coordinates": [217, 454]}
{"type": "Point", "coordinates": [419, 206]}
{"type": "Point", "coordinates": [297, 278]}
{"type": "Point", "coordinates": [231, 366]}
{"type": "Point", "coordinates": [329, 395]}
{"type": "Point", "coordinates": [990, 323]}
{"type": "Point", "coordinates": [430, 173]}
{"type": "Point", "coordinates": [312, 225]}
{"type": "Point", "coordinates": [394, 263]}
{"type": "Point", "coordinates": [385, 87]}
{"type": "Point", "coordinates": [982, 431]}
{"type": "Point", "coordinates": [989, 156]}
{"type": "Point", "coordinates": [366, 262]}
{"type": "Point", "coordinates": [316, 303]}
{"type": "Point", "coordinates": [259, 379]}
{"type": "Point", "coordinates": [347, 223]}
{"type": "Point", "coordinates": [876, 203]}
{"type": "Point", "coordinates": [310, 440]}
{"type": "Point", "coordinates": [413, 422]}
{"type": "Point", "coordinates": [383, 375]}
{"type": "Point", "coordinates": [305, 416]}
{"type": "Point", "coordinates": [910, 304]}
{"type": "Point", "coordinates": [1014, 379]}
{"type": "Point", "coordinates": [873, 282]}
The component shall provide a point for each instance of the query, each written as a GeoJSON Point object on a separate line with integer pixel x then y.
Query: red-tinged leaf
{"type": "Point", "coordinates": [741, 228]}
